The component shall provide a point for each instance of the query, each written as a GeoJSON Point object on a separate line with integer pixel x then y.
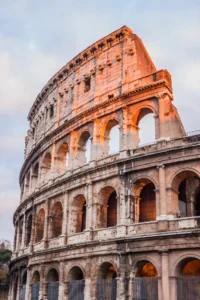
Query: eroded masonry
{"type": "Point", "coordinates": [98, 225]}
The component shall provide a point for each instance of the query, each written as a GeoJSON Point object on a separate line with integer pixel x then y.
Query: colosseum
{"type": "Point", "coordinates": [103, 218]}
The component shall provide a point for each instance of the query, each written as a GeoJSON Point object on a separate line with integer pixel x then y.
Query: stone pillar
{"type": "Point", "coordinates": [28, 285]}
{"type": "Point", "coordinates": [95, 146]}
{"type": "Point", "coordinates": [121, 292]}
{"type": "Point", "coordinates": [65, 216]}
{"type": "Point", "coordinates": [61, 282]}
{"type": "Point", "coordinates": [122, 207]}
{"type": "Point", "coordinates": [87, 294]}
{"type": "Point", "coordinates": [45, 238]}
{"type": "Point", "coordinates": [24, 232]}
{"type": "Point", "coordinates": [33, 228]}
{"type": "Point", "coordinates": [130, 286]}
{"type": "Point", "coordinates": [165, 276]}
{"type": "Point", "coordinates": [89, 212]}
{"type": "Point", "coordinates": [162, 193]}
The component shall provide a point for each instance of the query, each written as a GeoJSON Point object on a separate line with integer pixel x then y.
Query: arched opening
{"type": "Point", "coordinates": [56, 220]}
{"type": "Point", "coordinates": [187, 198]}
{"type": "Point", "coordinates": [62, 157]}
{"type": "Point", "coordinates": [23, 288]}
{"type": "Point", "coordinates": [46, 166]}
{"type": "Point", "coordinates": [53, 284]}
{"type": "Point", "coordinates": [40, 226]}
{"type": "Point", "coordinates": [107, 214]}
{"type": "Point", "coordinates": [144, 126]}
{"type": "Point", "coordinates": [188, 281]}
{"type": "Point", "coordinates": [145, 284]}
{"type": "Point", "coordinates": [28, 230]}
{"type": "Point", "coordinates": [78, 216]}
{"type": "Point", "coordinates": [35, 288]}
{"type": "Point", "coordinates": [84, 148]}
{"type": "Point", "coordinates": [143, 202]}
{"type": "Point", "coordinates": [35, 175]}
{"type": "Point", "coordinates": [109, 138]}
{"type": "Point", "coordinates": [106, 284]}
{"type": "Point", "coordinates": [76, 284]}
{"type": "Point", "coordinates": [147, 203]}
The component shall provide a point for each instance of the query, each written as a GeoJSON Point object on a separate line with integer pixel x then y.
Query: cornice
{"type": "Point", "coordinates": [91, 110]}
{"type": "Point", "coordinates": [120, 162]}
{"type": "Point", "coordinates": [76, 62]}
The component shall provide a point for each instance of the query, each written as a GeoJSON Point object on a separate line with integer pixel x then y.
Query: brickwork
{"type": "Point", "coordinates": [88, 219]}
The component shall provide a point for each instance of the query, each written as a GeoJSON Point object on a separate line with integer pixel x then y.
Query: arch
{"type": "Point", "coordinates": [84, 148]}
{"type": "Point", "coordinates": [107, 271]}
{"type": "Point", "coordinates": [106, 283]}
{"type": "Point", "coordinates": [23, 288]}
{"type": "Point", "coordinates": [36, 277]}
{"type": "Point", "coordinates": [109, 137]}
{"type": "Point", "coordinates": [46, 166]}
{"type": "Point", "coordinates": [188, 281]}
{"type": "Point", "coordinates": [145, 268]}
{"type": "Point", "coordinates": [75, 273]}
{"type": "Point", "coordinates": [62, 157]}
{"type": "Point", "coordinates": [78, 215]}
{"type": "Point", "coordinates": [40, 219]}
{"type": "Point", "coordinates": [56, 220]}
{"type": "Point", "coordinates": [35, 175]}
{"type": "Point", "coordinates": [144, 127]}
{"type": "Point", "coordinates": [185, 186]}
{"type": "Point", "coordinates": [35, 287]}
{"type": "Point", "coordinates": [29, 229]}
{"type": "Point", "coordinates": [53, 275]}
{"type": "Point", "coordinates": [107, 216]}
{"type": "Point", "coordinates": [76, 283]}
{"type": "Point", "coordinates": [182, 261]}
{"type": "Point", "coordinates": [53, 284]}
{"type": "Point", "coordinates": [144, 200]}
{"type": "Point", "coordinates": [16, 283]}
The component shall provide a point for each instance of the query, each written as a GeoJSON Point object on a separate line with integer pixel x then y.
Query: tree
{"type": "Point", "coordinates": [5, 256]}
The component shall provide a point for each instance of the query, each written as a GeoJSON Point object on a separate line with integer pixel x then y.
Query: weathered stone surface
{"type": "Point", "coordinates": [112, 215]}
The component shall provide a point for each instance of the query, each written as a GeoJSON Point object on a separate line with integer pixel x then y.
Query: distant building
{"type": "Point", "coordinates": [93, 224]}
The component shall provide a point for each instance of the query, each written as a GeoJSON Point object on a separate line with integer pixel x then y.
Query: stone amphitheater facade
{"type": "Point", "coordinates": [107, 226]}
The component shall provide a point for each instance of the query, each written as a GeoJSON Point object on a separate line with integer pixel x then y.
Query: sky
{"type": "Point", "coordinates": [37, 38]}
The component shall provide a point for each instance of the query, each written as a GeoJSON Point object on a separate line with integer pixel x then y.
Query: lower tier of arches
{"type": "Point", "coordinates": [158, 275]}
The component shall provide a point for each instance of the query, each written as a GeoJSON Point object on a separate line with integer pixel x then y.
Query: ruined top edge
{"type": "Point", "coordinates": [123, 30]}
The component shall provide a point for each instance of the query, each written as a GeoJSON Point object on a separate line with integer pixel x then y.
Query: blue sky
{"type": "Point", "coordinates": [38, 37]}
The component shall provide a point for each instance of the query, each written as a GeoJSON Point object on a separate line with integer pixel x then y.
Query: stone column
{"type": "Point", "coordinates": [130, 286]}
{"type": "Point", "coordinates": [45, 238]}
{"type": "Point", "coordinates": [95, 146]}
{"type": "Point", "coordinates": [87, 294]}
{"type": "Point", "coordinates": [121, 292]}
{"type": "Point", "coordinates": [28, 285]}
{"type": "Point", "coordinates": [122, 206]}
{"type": "Point", "coordinates": [65, 216]}
{"type": "Point", "coordinates": [33, 228]}
{"type": "Point", "coordinates": [165, 276]}
{"type": "Point", "coordinates": [89, 221]}
{"type": "Point", "coordinates": [24, 232]}
{"type": "Point", "coordinates": [61, 281]}
{"type": "Point", "coordinates": [162, 193]}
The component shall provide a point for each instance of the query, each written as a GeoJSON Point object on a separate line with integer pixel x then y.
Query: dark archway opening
{"type": "Point", "coordinates": [147, 211]}
{"type": "Point", "coordinates": [145, 284]}
{"type": "Point", "coordinates": [107, 284]}
{"type": "Point", "coordinates": [76, 284]}
{"type": "Point", "coordinates": [112, 210]}
{"type": "Point", "coordinates": [53, 285]}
